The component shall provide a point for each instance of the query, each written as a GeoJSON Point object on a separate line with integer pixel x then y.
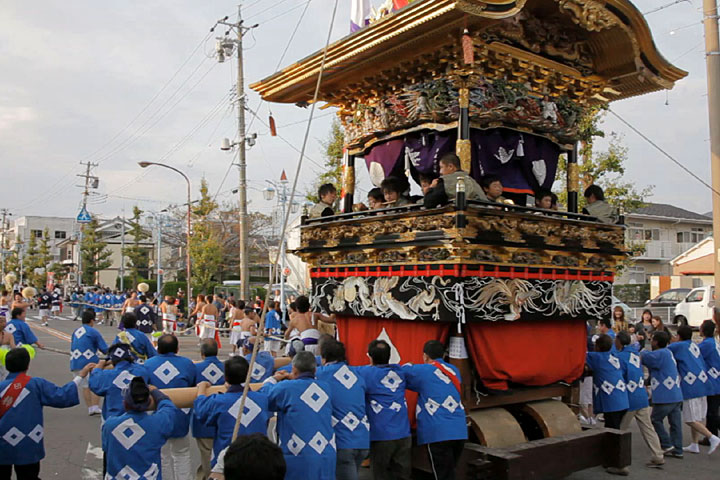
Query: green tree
{"type": "Point", "coordinates": [136, 254]}
{"type": "Point", "coordinates": [93, 252]}
{"type": "Point", "coordinates": [333, 173]}
{"type": "Point", "coordinates": [205, 248]}
{"type": "Point", "coordinates": [29, 260]}
{"type": "Point", "coordinates": [606, 168]}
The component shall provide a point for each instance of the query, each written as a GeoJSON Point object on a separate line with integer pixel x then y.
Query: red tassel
{"type": "Point", "coordinates": [273, 128]}
{"type": "Point", "coordinates": [468, 48]}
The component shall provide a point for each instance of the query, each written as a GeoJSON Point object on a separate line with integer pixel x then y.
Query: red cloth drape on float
{"type": "Point", "coordinates": [407, 336]}
{"type": "Point", "coordinates": [534, 353]}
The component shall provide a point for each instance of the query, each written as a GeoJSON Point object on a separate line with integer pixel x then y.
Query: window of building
{"type": "Point", "coordinates": [644, 234]}
{"type": "Point", "coordinates": [60, 234]}
{"type": "Point", "coordinates": [36, 233]}
{"type": "Point", "coordinates": [695, 235]}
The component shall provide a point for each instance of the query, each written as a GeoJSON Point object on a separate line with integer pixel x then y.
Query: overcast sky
{"type": "Point", "coordinates": [117, 82]}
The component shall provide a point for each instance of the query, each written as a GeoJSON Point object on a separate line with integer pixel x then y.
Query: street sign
{"type": "Point", "coordinates": [84, 216]}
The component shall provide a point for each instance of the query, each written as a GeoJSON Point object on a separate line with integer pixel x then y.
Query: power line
{"type": "Point", "coordinates": [673, 159]}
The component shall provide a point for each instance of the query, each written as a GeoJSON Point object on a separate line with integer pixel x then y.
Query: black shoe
{"type": "Point", "coordinates": [705, 442]}
{"type": "Point", "coordinates": [674, 454]}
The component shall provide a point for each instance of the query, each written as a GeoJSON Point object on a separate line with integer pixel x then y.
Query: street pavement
{"type": "Point", "coordinates": [72, 438]}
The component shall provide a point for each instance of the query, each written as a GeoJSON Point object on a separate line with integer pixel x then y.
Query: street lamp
{"type": "Point", "coordinates": [189, 213]}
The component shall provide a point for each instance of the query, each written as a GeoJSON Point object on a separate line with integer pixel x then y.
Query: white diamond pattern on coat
{"type": "Point", "coordinates": [80, 332]}
{"type": "Point", "coordinates": [127, 473]}
{"type": "Point", "coordinates": [375, 406]}
{"type": "Point", "coordinates": [431, 406]}
{"type": "Point", "coordinates": [614, 361]}
{"type": "Point", "coordinates": [123, 379]}
{"type": "Point", "coordinates": [441, 376]}
{"type": "Point", "coordinates": [258, 371]}
{"type": "Point", "coordinates": [88, 354]}
{"type": "Point", "coordinates": [632, 386]}
{"type": "Point", "coordinates": [212, 373]}
{"type": "Point", "coordinates": [314, 397]}
{"type": "Point", "coordinates": [166, 372]}
{"type": "Point", "coordinates": [702, 376]}
{"type": "Point", "coordinates": [251, 411]}
{"type": "Point", "coordinates": [351, 421]}
{"type": "Point", "coordinates": [391, 381]}
{"type": "Point", "coordinates": [13, 436]}
{"type": "Point", "coordinates": [36, 434]}
{"type": "Point", "coordinates": [669, 383]}
{"type": "Point", "coordinates": [295, 445]}
{"type": "Point", "coordinates": [10, 328]}
{"type": "Point", "coordinates": [450, 404]}
{"type": "Point", "coordinates": [635, 360]}
{"type": "Point", "coordinates": [689, 378]}
{"type": "Point", "coordinates": [607, 387]}
{"type": "Point", "coordinates": [345, 376]}
{"type": "Point", "coordinates": [654, 383]}
{"type": "Point", "coordinates": [318, 443]}
{"type": "Point", "coordinates": [695, 350]}
{"type": "Point", "coordinates": [75, 354]}
{"type": "Point", "coordinates": [152, 472]}
{"type": "Point", "coordinates": [121, 433]}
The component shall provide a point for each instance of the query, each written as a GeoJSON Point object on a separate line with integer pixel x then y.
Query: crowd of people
{"type": "Point", "coordinates": [441, 190]}
{"type": "Point", "coordinates": [644, 372]}
{"type": "Point", "coordinates": [316, 417]}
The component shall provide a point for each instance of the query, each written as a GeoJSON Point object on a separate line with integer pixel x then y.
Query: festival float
{"type": "Point", "coordinates": [502, 83]}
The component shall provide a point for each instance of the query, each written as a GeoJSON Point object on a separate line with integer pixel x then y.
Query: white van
{"type": "Point", "coordinates": [696, 307]}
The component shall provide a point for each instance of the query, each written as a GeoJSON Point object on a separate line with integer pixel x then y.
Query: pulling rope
{"type": "Point", "coordinates": [261, 327]}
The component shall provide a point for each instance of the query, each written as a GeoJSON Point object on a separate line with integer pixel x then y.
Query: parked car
{"type": "Point", "coordinates": [628, 311]}
{"type": "Point", "coordinates": [696, 307]}
{"type": "Point", "coordinates": [668, 298]}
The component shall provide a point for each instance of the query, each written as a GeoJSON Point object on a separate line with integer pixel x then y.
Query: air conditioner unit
{"type": "Point", "coordinates": [71, 277]}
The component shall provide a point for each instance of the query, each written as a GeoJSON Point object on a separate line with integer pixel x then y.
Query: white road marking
{"type": "Point", "coordinates": [93, 461]}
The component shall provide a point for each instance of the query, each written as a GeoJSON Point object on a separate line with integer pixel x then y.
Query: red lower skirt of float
{"type": "Point", "coordinates": [533, 353]}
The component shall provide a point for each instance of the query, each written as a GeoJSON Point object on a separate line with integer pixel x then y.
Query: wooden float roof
{"type": "Point", "coordinates": [624, 55]}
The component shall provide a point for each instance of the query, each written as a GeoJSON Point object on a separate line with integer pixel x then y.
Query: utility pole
{"type": "Point", "coordinates": [712, 58]}
{"type": "Point", "coordinates": [5, 212]}
{"type": "Point", "coordinates": [86, 193]}
{"type": "Point", "coordinates": [225, 45]}
{"type": "Point", "coordinates": [122, 253]}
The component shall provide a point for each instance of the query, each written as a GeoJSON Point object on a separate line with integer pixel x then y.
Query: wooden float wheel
{"type": "Point", "coordinates": [553, 417]}
{"type": "Point", "coordinates": [496, 427]}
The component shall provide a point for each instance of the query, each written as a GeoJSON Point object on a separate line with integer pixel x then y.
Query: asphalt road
{"type": "Point", "coordinates": [72, 438]}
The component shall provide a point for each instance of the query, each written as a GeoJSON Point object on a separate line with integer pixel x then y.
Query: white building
{"type": "Point", "coordinates": [59, 229]}
{"type": "Point", "coordinates": [666, 232]}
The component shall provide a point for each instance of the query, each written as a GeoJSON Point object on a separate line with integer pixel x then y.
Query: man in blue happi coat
{"type": "Point", "coordinates": [710, 350]}
{"type": "Point", "coordinates": [694, 385]}
{"type": "Point", "coordinates": [666, 394]}
{"type": "Point", "coordinates": [20, 330]}
{"type": "Point", "coordinates": [264, 361]}
{"type": "Point", "coordinates": [347, 393]}
{"type": "Point", "coordinates": [84, 345]}
{"type": "Point", "coordinates": [273, 326]}
{"type": "Point", "coordinates": [22, 399]}
{"type": "Point", "coordinates": [609, 391]}
{"type": "Point", "coordinates": [132, 441]}
{"type": "Point", "coordinates": [169, 370]}
{"type": "Point", "coordinates": [386, 407]}
{"type": "Point", "coordinates": [146, 317]}
{"type": "Point", "coordinates": [140, 345]}
{"type": "Point", "coordinates": [639, 407]}
{"type": "Point", "coordinates": [304, 420]}
{"type": "Point", "coordinates": [110, 383]}
{"type": "Point", "coordinates": [210, 370]}
{"type": "Point", "coordinates": [441, 424]}
{"type": "Point", "coordinates": [220, 411]}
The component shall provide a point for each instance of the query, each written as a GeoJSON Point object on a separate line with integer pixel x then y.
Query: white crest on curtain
{"type": "Point", "coordinates": [539, 169]}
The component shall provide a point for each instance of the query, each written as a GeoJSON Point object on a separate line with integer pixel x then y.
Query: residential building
{"type": "Point", "coordinates": [23, 228]}
{"type": "Point", "coordinates": [666, 232]}
{"type": "Point", "coordinates": [697, 263]}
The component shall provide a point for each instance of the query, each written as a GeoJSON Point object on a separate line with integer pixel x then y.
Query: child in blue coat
{"type": "Point", "coordinates": [609, 389]}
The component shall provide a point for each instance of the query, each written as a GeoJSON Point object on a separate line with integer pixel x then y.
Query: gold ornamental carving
{"type": "Point", "coordinates": [590, 14]}
{"type": "Point", "coordinates": [573, 177]}
{"type": "Point", "coordinates": [463, 150]}
{"type": "Point", "coordinates": [349, 179]}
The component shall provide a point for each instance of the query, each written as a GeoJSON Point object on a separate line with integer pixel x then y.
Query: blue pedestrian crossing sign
{"type": "Point", "coordinates": [84, 216]}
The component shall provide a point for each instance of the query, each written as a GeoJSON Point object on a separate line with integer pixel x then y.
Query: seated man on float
{"type": "Point", "coordinates": [392, 188]}
{"type": "Point", "coordinates": [375, 199]}
{"type": "Point", "coordinates": [442, 189]}
{"type": "Point", "coordinates": [493, 188]}
{"type": "Point", "coordinates": [544, 199]}
{"type": "Point", "coordinates": [598, 207]}
{"type": "Point", "coordinates": [327, 193]}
